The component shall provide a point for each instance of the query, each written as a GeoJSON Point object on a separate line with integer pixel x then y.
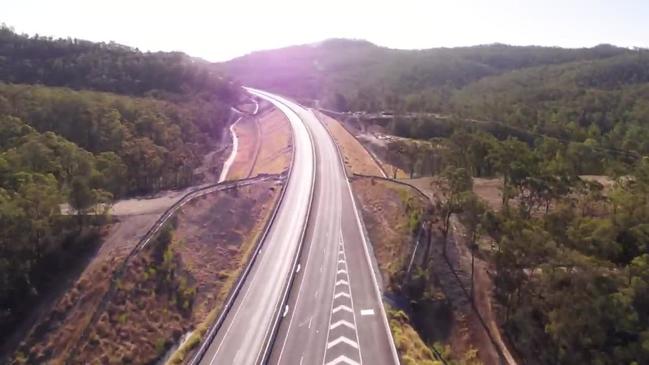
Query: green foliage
{"type": "Point", "coordinates": [160, 346]}
{"type": "Point", "coordinates": [109, 67]}
{"type": "Point", "coordinates": [86, 147]}
{"type": "Point", "coordinates": [570, 256]}
{"type": "Point", "coordinates": [573, 281]}
{"type": "Point", "coordinates": [372, 78]}
{"type": "Point", "coordinates": [411, 348]}
{"type": "Point", "coordinates": [125, 144]}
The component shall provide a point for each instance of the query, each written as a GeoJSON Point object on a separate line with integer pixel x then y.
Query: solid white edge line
{"type": "Point", "coordinates": [312, 192]}
{"type": "Point", "coordinates": [395, 355]}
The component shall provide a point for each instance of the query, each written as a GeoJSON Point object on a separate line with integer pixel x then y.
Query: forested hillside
{"type": "Point", "coordinates": [109, 67]}
{"type": "Point", "coordinates": [85, 123]}
{"type": "Point", "coordinates": [368, 77]}
{"type": "Point", "coordinates": [570, 255]}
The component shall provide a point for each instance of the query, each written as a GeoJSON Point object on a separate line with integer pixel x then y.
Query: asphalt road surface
{"type": "Point", "coordinates": [335, 313]}
{"type": "Point", "coordinates": [241, 338]}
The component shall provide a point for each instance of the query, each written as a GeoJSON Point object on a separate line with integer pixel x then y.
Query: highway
{"type": "Point", "coordinates": [244, 332]}
{"type": "Point", "coordinates": [334, 313]}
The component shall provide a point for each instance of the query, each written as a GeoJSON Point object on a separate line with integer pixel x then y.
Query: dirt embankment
{"type": "Point", "coordinates": [352, 140]}
{"type": "Point", "coordinates": [265, 145]}
{"type": "Point", "coordinates": [392, 213]}
{"type": "Point", "coordinates": [58, 328]}
{"type": "Point", "coordinates": [167, 289]}
{"type": "Point", "coordinates": [357, 159]}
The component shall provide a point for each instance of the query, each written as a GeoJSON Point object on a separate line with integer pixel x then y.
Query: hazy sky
{"type": "Point", "coordinates": [222, 29]}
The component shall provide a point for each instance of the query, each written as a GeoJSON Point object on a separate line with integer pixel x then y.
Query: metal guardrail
{"type": "Point", "coordinates": [376, 274]}
{"type": "Point", "coordinates": [270, 340]}
{"type": "Point", "coordinates": [396, 181]}
{"type": "Point", "coordinates": [453, 272]}
{"type": "Point", "coordinates": [237, 288]}
{"type": "Point", "coordinates": [145, 240]}
{"type": "Point", "coordinates": [374, 157]}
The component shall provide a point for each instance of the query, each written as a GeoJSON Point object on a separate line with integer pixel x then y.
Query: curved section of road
{"type": "Point", "coordinates": [243, 336]}
{"type": "Point", "coordinates": [336, 311]}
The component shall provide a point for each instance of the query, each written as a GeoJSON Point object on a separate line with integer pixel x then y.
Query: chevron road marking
{"type": "Point", "coordinates": [342, 339]}
{"type": "Point", "coordinates": [342, 307]}
{"type": "Point", "coordinates": [342, 359]}
{"type": "Point", "coordinates": [341, 294]}
{"type": "Point", "coordinates": [342, 323]}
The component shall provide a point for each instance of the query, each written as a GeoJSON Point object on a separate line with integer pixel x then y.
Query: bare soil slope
{"type": "Point", "coordinates": [265, 145]}
{"type": "Point", "coordinates": [357, 159]}
{"type": "Point", "coordinates": [167, 290]}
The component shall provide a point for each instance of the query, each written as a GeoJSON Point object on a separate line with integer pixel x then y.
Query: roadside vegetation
{"type": "Point", "coordinates": [357, 159]}
{"type": "Point", "coordinates": [565, 252]}
{"type": "Point", "coordinates": [560, 262]}
{"type": "Point", "coordinates": [85, 123]}
{"type": "Point", "coordinates": [169, 290]}
{"type": "Point", "coordinates": [563, 257]}
{"type": "Point", "coordinates": [265, 145]}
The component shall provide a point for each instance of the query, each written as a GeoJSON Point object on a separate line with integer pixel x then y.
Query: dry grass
{"type": "Point", "coordinates": [246, 130]}
{"type": "Point", "coordinates": [380, 149]}
{"type": "Point", "coordinates": [55, 333]}
{"type": "Point", "coordinates": [468, 339]}
{"type": "Point", "coordinates": [275, 149]}
{"type": "Point", "coordinates": [490, 190]}
{"type": "Point", "coordinates": [357, 159]}
{"type": "Point", "coordinates": [150, 311]}
{"type": "Point", "coordinates": [412, 350]}
{"type": "Point", "coordinates": [157, 302]}
{"type": "Point", "coordinates": [390, 212]}
{"type": "Point", "coordinates": [264, 145]}
{"type": "Point", "coordinates": [246, 225]}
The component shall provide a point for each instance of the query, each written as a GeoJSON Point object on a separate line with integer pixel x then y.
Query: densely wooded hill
{"type": "Point", "coordinates": [86, 123]}
{"type": "Point", "coordinates": [570, 256]}
{"type": "Point", "coordinates": [109, 67]}
{"type": "Point", "coordinates": [372, 77]}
